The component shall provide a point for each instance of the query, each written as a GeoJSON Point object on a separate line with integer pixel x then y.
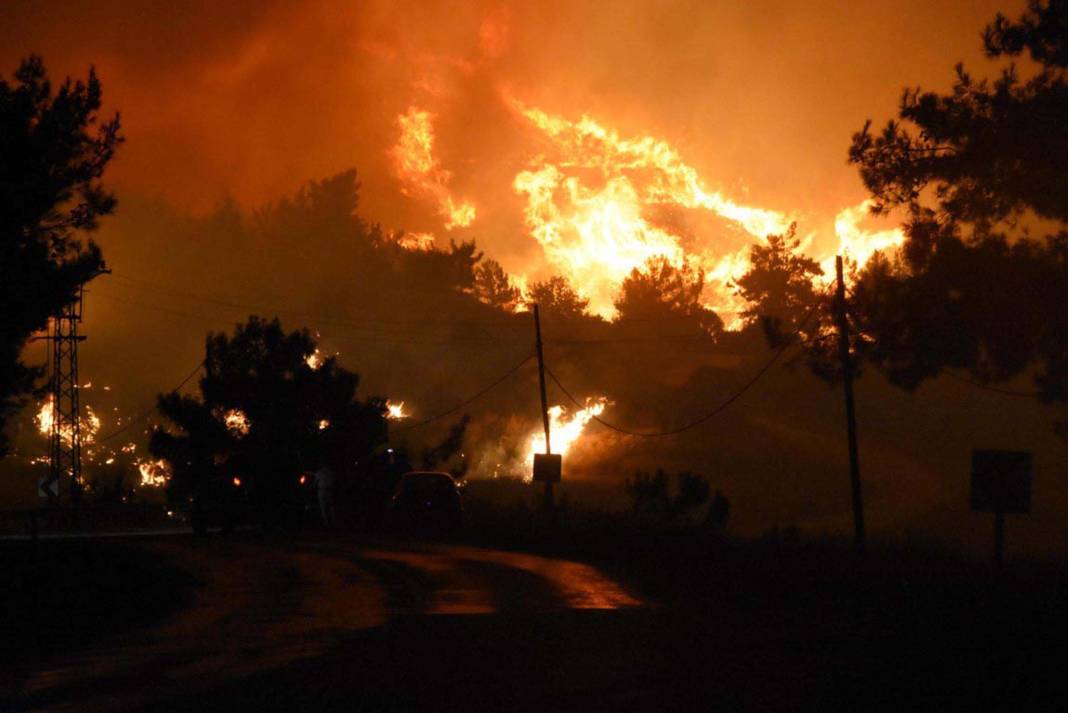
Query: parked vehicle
{"type": "Point", "coordinates": [425, 503]}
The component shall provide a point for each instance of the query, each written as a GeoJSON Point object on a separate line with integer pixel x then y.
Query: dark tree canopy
{"type": "Point", "coordinates": [785, 300]}
{"type": "Point", "coordinates": [991, 308]}
{"type": "Point", "coordinates": [493, 287]}
{"type": "Point", "coordinates": [987, 151]}
{"type": "Point", "coordinates": [981, 281]}
{"type": "Point", "coordinates": [662, 290]}
{"type": "Point", "coordinates": [1041, 31]}
{"type": "Point", "coordinates": [265, 415]}
{"type": "Point", "coordinates": [53, 153]}
{"type": "Point", "coordinates": [778, 287]}
{"type": "Point", "coordinates": [558, 298]}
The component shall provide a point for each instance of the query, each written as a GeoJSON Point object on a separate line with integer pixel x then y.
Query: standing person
{"type": "Point", "coordinates": [718, 512]}
{"type": "Point", "coordinates": [324, 483]}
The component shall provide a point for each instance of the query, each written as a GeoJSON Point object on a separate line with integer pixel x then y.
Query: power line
{"type": "Point", "coordinates": [398, 323]}
{"type": "Point", "coordinates": [472, 399]}
{"type": "Point", "coordinates": [371, 335]}
{"type": "Point", "coordinates": [407, 289]}
{"type": "Point", "coordinates": [238, 304]}
{"type": "Point", "coordinates": [692, 424]}
{"type": "Point", "coordinates": [995, 389]}
{"type": "Point", "coordinates": [156, 308]}
{"type": "Point", "coordinates": [714, 412]}
{"type": "Point", "coordinates": [148, 412]}
{"type": "Point", "coordinates": [395, 323]}
{"type": "Point", "coordinates": [631, 340]}
{"type": "Point", "coordinates": [261, 309]}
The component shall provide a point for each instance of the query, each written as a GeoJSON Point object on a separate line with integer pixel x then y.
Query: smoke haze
{"type": "Point", "coordinates": [230, 109]}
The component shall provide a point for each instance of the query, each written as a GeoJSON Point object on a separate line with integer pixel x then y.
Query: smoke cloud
{"type": "Point", "coordinates": [230, 109]}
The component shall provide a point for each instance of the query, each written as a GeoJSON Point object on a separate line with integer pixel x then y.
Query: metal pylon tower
{"type": "Point", "coordinates": [66, 437]}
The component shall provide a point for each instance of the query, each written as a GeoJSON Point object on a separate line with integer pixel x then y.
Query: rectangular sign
{"type": "Point", "coordinates": [1001, 481]}
{"type": "Point", "coordinates": [547, 467]}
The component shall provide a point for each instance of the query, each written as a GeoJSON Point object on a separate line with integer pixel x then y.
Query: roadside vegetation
{"type": "Point", "coordinates": [61, 595]}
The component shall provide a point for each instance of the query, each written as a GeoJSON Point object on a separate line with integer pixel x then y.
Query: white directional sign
{"type": "Point", "coordinates": [48, 489]}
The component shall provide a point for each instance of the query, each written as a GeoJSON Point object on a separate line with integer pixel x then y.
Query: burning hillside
{"type": "Point", "coordinates": [601, 205]}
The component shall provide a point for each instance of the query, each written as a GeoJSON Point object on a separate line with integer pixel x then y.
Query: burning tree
{"type": "Point", "coordinates": [266, 413]}
{"type": "Point", "coordinates": [53, 156]}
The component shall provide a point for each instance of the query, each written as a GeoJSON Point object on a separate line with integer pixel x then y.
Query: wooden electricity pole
{"type": "Point", "coordinates": [544, 401]}
{"type": "Point", "coordinates": [851, 416]}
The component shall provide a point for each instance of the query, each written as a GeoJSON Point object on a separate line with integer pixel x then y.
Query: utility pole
{"type": "Point", "coordinates": [544, 402]}
{"type": "Point", "coordinates": [851, 417]}
{"type": "Point", "coordinates": [999, 539]}
{"type": "Point", "coordinates": [65, 455]}
{"type": "Point", "coordinates": [66, 436]}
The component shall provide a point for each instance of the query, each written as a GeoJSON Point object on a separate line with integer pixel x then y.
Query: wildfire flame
{"type": "Point", "coordinates": [597, 234]}
{"type": "Point", "coordinates": [596, 206]}
{"type": "Point", "coordinates": [395, 411]}
{"type": "Point", "coordinates": [601, 204]}
{"type": "Point", "coordinates": [415, 164]}
{"type": "Point", "coordinates": [564, 429]}
{"type": "Point", "coordinates": [46, 416]}
{"type": "Point", "coordinates": [314, 360]}
{"type": "Point", "coordinates": [416, 241]}
{"type": "Point", "coordinates": [154, 473]}
{"type": "Point", "coordinates": [236, 422]}
{"type": "Point", "coordinates": [88, 423]}
{"type": "Point", "coordinates": [857, 244]}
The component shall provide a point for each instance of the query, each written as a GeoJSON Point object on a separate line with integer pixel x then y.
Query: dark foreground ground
{"type": "Point", "coordinates": [777, 624]}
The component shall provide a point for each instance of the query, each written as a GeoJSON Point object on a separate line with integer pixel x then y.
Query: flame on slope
{"type": "Point", "coordinates": [395, 411]}
{"type": "Point", "coordinates": [46, 416]}
{"type": "Point", "coordinates": [414, 163]}
{"type": "Point", "coordinates": [154, 473]}
{"type": "Point", "coordinates": [856, 244]}
{"type": "Point", "coordinates": [88, 423]}
{"type": "Point", "coordinates": [95, 453]}
{"type": "Point", "coordinates": [416, 241]}
{"type": "Point", "coordinates": [597, 235]}
{"type": "Point", "coordinates": [565, 429]}
{"type": "Point", "coordinates": [236, 422]}
{"type": "Point", "coordinates": [314, 360]}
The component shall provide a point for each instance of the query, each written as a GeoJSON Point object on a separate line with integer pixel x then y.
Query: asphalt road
{"type": "Point", "coordinates": [332, 625]}
{"type": "Point", "coordinates": [336, 626]}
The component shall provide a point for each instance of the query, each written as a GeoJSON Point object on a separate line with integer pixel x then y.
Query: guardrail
{"type": "Point", "coordinates": [86, 518]}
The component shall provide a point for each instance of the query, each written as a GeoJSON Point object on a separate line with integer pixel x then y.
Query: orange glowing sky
{"type": "Point", "coordinates": [693, 124]}
{"type": "Point", "coordinates": [250, 99]}
{"type": "Point", "coordinates": [570, 138]}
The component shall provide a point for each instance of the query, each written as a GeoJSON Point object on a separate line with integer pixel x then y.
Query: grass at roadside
{"type": "Point", "coordinates": [60, 595]}
{"type": "Point", "coordinates": [792, 621]}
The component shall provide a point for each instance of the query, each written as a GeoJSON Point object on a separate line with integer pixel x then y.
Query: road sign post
{"type": "Point", "coordinates": [1001, 484]}
{"type": "Point", "coordinates": [846, 359]}
{"type": "Point", "coordinates": [547, 468]}
{"type": "Point", "coordinates": [548, 481]}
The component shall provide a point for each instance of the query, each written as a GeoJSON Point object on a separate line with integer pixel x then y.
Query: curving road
{"type": "Point", "coordinates": [387, 625]}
